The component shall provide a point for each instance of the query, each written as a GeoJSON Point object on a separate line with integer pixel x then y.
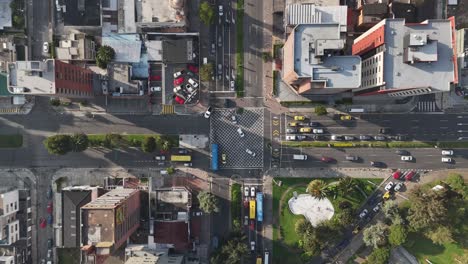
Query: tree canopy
{"type": "Point", "coordinates": [318, 189]}
{"type": "Point", "coordinates": [104, 55]}
{"type": "Point", "coordinates": [207, 13]}
{"type": "Point", "coordinates": [209, 203]}
{"type": "Point", "coordinates": [206, 72]}
{"type": "Point", "coordinates": [397, 235]}
{"type": "Point", "coordinates": [375, 235]}
{"type": "Point", "coordinates": [231, 252]}
{"type": "Point", "coordinates": [427, 210]}
{"type": "Point", "coordinates": [149, 144]}
{"type": "Point", "coordinates": [58, 144]}
{"type": "Point", "coordinates": [379, 256]}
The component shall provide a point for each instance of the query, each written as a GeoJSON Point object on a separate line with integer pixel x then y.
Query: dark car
{"type": "Point", "coordinates": [377, 164]}
{"type": "Point", "coordinates": [382, 138]}
{"type": "Point", "coordinates": [327, 159]}
{"type": "Point", "coordinates": [183, 151]}
{"type": "Point", "coordinates": [49, 243]}
{"type": "Point", "coordinates": [401, 138]}
{"type": "Point", "coordinates": [365, 137]}
{"type": "Point", "coordinates": [49, 192]}
{"type": "Point", "coordinates": [314, 124]}
{"type": "Point", "coordinates": [384, 130]}
{"type": "Point", "coordinates": [291, 130]}
{"type": "Point", "coordinates": [318, 137]}
{"type": "Point", "coordinates": [402, 152]}
{"type": "Point", "coordinates": [50, 219]}
{"type": "Point", "coordinates": [301, 137]}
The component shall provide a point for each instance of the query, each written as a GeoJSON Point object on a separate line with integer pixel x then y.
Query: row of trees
{"type": "Point", "coordinates": [62, 144]}
{"type": "Point", "coordinates": [437, 214]}
{"type": "Point", "coordinates": [320, 189]}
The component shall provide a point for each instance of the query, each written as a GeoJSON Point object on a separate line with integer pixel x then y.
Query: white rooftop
{"type": "Point", "coordinates": [127, 47]}
{"type": "Point", "coordinates": [154, 50]}
{"type": "Point", "coordinates": [313, 14]}
{"type": "Point", "coordinates": [435, 51]}
{"type": "Point", "coordinates": [32, 77]}
{"type": "Point", "coordinates": [311, 44]}
{"type": "Point", "coordinates": [5, 14]}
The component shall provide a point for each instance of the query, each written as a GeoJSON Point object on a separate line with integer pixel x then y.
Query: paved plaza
{"type": "Point", "coordinates": [224, 132]}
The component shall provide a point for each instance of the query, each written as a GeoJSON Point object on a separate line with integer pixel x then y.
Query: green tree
{"type": "Point", "coordinates": [347, 185]}
{"type": "Point", "coordinates": [231, 252]}
{"type": "Point", "coordinates": [104, 55]}
{"type": "Point", "coordinates": [207, 13]}
{"type": "Point", "coordinates": [440, 235]}
{"type": "Point", "coordinates": [58, 144]}
{"type": "Point", "coordinates": [266, 56]}
{"type": "Point", "coordinates": [379, 256]}
{"type": "Point", "coordinates": [170, 170]}
{"type": "Point", "coordinates": [320, 110]}
{"type": "Point", "coordinates": [428, 209]}
{"type": "Point", "coordinates": [301, 226]}
{"type": "Point", "coordinates": [346, 216]}
{"type": "Point", "coordinates": [79, 142]}
{"type": "Point", "coordinates": [114, 141]}
{"type": "Point", "coordinates": [166, 145]}
{"type": "Point", "coordinates": [390, 209]}
{"type": "Point", "coordinates": [318, 189]}
{"type": "Point", "coordinates": [209, 203]}
{"type": "Point", "coordinates": [397, 235]}
{"type": "Point", "coordinates": [375, 235]}
{"type": "Point", "coordinates": [149, 144]}
{"type": "Point", "coordinates": [206, 72]}
{"type": "Point", "coordinates": [54, 102]}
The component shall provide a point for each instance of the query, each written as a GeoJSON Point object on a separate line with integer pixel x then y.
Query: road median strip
{"type": "Point", "coordinates": [240, 48]}
{"type": "Point", "coordinates": [375, 144]}
{"type": "Point", "coordinates": [11, 141]}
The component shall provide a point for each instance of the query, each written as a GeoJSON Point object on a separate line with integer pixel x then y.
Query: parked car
{"type": "Point", "coordinates": [377, 207]}
{"type": "Point", "coordinates": [223, 158]}
{"type": "Point", "coordinates": [349, 138]}
{"type": "Point", "coordinates": [246, 220]}
{"type": "Point", "coordinates": [208, 112]}
{"type": "Point", "coordinates": [192, 68]}
{"type": "Point", "coordinates": [305, 130]}
{"type": "Point", "coordinates": [232, 85]}
{"type": "Point", "coordinates": [49, 253]}
{"type": "Point", "coordinates": [299, 118]}
{"type": "Point", "coordinates": [346, 117]}
{"type": "Point", "coordinates": [193, 82]}
{"type": "Point", "coordinates": [447, 152]}
{"type": "Point", "coordinates": [155, 78]}
{"type": "Point", "coordinates": [290, 137]}
{"type": "Point", "coordinates": [155, 88]}
{"type": "Point", "coordinates": [177, 74]}
{"type": "Point", "coordinates": [396, 175]}
{"type": "Point", "coordinates": [179, 100]}
{"type": "Point", "coordinates": [45, 47]}
{"type": "Point", "coordinates": [406, 158]}
{"type": "Point", "coordinates": [178, 81]}
{"type": "Point", "coordinates": [246, 191]}
{"type": "Point", "coordinates": [42, 222]}
{"type": "Point", "coordinates": [446, 160]}
{"type": "Point", "coordinates": [250, 152]}
{"type": "Point", "coordinates": [292, 124]}
{"type": "Point", "coordinates": [365, 137]}
{"type": "Point", "coordinates": [50, 219]}
{"type": "Point", "coordinates": [220, 10]}
{"type": "Point", "coordinates": [177, 89]}
{"type": "Point", "coordinates": [188, 164]}
{"type": "Point", "coordinates": [317, 131]}
{"type": "Point", "coordinates": [252, 191]}
{"type": "Point", "coordinates": [327, 159]}
{"type": "Point", "coordinates": [409, 176]}
{"type": "Point", "coordinates": [363, 213]}
{"type": "Point", "coordinates": [291, 130]}
{"type": "Point", "coordinates": [389, 186]}
{"type": "Point", "coordinates": [336, 138]}
{"type": "Point", "coordinates": [314, 124]}
{"type": "Point", "coordinates": [381, 138]}
{"type": "Point", "coordinates": [402, 152]}
{"type": "Point", "coordinates": [398, 186]}
{"type": "Point", "coordinates": [301, 137]}
{"type": "Point", "coordinates": [377, 164]}
{"type": "Point", "coordinates": [386, 195]}
{"type": "Point", "coordinates": [240, 132]}
{"type": "Point", "coordinates": [183, 151]}
{"type": "Point", "coordinates": [401, 138]}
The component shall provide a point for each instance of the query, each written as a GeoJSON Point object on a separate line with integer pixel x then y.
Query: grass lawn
{"type": "Point", "coordinates": [284, 226]}
{"type": "Point", "coordinates": [423, 248]}
{"type": "Point", "coordinates": [133, 140]}
{"type": "Point", "coordinates": [68, 255]}
{"type": "Point", "coordinates": [11, 141]}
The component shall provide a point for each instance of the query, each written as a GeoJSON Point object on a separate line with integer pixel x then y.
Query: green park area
{"type": "Point", "coordinates": [345, 194]}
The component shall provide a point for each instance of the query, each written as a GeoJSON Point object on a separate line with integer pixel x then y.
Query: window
{"type": "Point", "coordinates": [16, 205]}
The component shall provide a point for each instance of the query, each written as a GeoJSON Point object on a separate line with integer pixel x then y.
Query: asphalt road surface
{"type": "Point", "coordinates": [423, 158]}
{"type": "Point", "coordinates": [39, 24]}
{"type": "Point", "coordinates": [422, 127]}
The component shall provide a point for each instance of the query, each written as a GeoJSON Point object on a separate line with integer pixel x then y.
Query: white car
{"type": "Point", "coordinates": [252, 191]}
{"type": "Point", "coordinates": [290, 137]}
{"type": "Point", "coordinates": [363, 213]}
{"type": "Point", "coordinates": [234, 119]}
{"type": "Point", "coordinates": [406, 158]}
{"type": "Point", "coordinates": [193, 82]}
{"type": "Point", "coordinates": [317, 131]}
{"type": "Point", "coordinates": [447, 160]}
{"type": "Point", "coordinates": [233, 85]}
{"type": "Point", "coordinates": [252, 245]}
{"type": "Point", "coordinates": [398, 186]}
{"type": "Point", "coordinates": [240, 132]}
{"type": "Point", "coordinates": [208, 112]}
{"type": "Point", "coordinates": [220, 9]}
{"type": "Point", "coordinates": [250, 152]}
{"type": "Point", "coordinates": [45, 47]}
{"type": "Point", "coordinates": [246, 220]}
{"type": "Point", "coordinates": [447, 152]}
{"type": "Point", "coordinates": [177, 74]}
{"type": "Point", "coordinates": [377, 207]}
{"type": "Point", "coordinates": [177, 89]}
{"type": "Point", "coordinates": [389, 186]}
{"type": "Point", "coordinates": [189, 88]}
{"type": "Point", "coordinates": [155, 89]}
{"type": "Point", "coordinates": [246, 191]}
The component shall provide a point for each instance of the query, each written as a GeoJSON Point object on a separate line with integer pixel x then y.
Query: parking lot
{"type": "Point", "coordinates": [179, 90]}
{"type": "Point", "coordinates": [155, 90]}
{"type": "Point", "coordinates": [224, 132]}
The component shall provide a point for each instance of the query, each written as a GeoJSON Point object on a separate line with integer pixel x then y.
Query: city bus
{"type": "Point", "coordinates": [259, 260]}
{"type": "Point", "coordinates": [183, 158]}
{"type": "Point", "coordinates": [259, 207]}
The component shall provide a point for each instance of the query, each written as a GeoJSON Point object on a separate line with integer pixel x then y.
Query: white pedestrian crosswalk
{"type": "Point", "coordinates": [427, 106]}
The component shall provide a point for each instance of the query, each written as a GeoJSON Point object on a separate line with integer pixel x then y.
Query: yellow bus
{"type": "Point", "coordinates": [252, 209]}
{"type": "Point", "coordinates": [184, 158]}
{"type": "Point", "coordinates": [259, 260]}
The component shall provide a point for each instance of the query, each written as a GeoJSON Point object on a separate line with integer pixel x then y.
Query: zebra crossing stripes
{"type": "Point", "coordinates": [9, 110]}
{"type": "Point", "coordinates": [427, 106]}
{"type": "Point", "coordinates": [168, 110]}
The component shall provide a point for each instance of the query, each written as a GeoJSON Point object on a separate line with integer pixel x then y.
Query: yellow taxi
{"type": "Point", "coordinates": [299, 118]}
{"type": "Point", "coordinates": [293, 124]}
{"type": "Point", "coordinates": [305, 130]}
{"type": "Point", "coordinates": [386, 196]}
{"type": "Point", "coordinates": [346, 117]}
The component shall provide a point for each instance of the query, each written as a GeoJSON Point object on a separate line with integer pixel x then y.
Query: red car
{"type": "Point", "coordinates": [252, 225]}
{"type": "Point", "coordinates": [246, 203]}
{"type": "Point", "coordinates": [50, 207]}
{"type": "Point", "coordinates": [155, 78]}
{"type": "Point", "coordinates": [179, 100]}
{"type": "Point", "coordinates": [410, 175]}
{"type": "Point", "coordinates": [327, 159]}
{"type": "Point", "coordinates": [192, 68]}
{"type": "Point", "coordinates": [42, 222]}
{"type": "Point", "coordinates": [178, 81]}
{"type": "Point", "coordinates": [396, 175]}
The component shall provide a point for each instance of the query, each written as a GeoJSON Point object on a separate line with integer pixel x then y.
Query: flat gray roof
{"type": "Point", "coordinates": [337, 71]}
{"type": "Point", "coordinates": [436, 74]}
{"type": "Point", "coordinates": [5, 14]}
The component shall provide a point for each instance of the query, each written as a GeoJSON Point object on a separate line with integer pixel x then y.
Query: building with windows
{"type": "Point", "coordinates": [405, 59]}
{"type": "Point", "coordinates": [108, 221]}
{"type": "Point", "coordinates": [49, 77]}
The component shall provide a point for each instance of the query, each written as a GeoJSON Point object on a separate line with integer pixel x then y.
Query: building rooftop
{"type": "Point", "coordinates": [4, 84]}
{"type": "Point", "coordinates": [428, 45]}
{"type": "Point", "coordinates": [32, 77]}
{"type": "Point", "coordinates": [313, 14]}
{"type": "Point", "coordinates": [317, 56]}
{"type": "Point", "coordinates": [5, 14]}
{"type": "Point", "coordinates": [172, 233]}
{"type": "Point", "coordinates": [375, 9]}
{"type": "Point", "coordinates": [127, 47]}
{"type": "Point", "coordinates": [76, 47]}
{"type": "Point", "coordinates": [178, 50]}
{"type": "Point", "coordinates": [161, 13]}
{"type": "Point", "coordinates": [154, 48]}
{"type": "Point", "coordinates": [111, 199]}
{"type": "Point", "coordinates": [82, 12]}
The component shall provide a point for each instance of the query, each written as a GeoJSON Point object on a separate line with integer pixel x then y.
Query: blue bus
{"type": "Point", "coordinates": [214, 157]}
{"type": "Point", "coordinates": [259, 207]}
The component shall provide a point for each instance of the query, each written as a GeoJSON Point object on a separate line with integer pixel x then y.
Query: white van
{"type": "Point", "coordinates": [299, 157]}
